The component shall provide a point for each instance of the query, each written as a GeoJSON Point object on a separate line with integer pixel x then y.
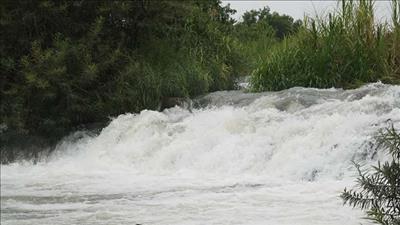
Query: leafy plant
{"type": "Point", "coordinates": [259, 31]}
{"type": "Point", "coordinates": [76, 63]}
{"type": "Point", "coordinates": [379, 191]}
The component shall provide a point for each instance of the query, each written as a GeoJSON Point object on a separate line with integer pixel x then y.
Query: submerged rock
{"type": "Point", "coordinates": [169, 102]}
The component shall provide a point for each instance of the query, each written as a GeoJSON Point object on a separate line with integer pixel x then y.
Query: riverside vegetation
{"type": "Point", "coordinates": [379, 192]}
{"type": "Point", "coordinates": [67, 65]}
{"type": "Point", "coordinates": [345, 49]}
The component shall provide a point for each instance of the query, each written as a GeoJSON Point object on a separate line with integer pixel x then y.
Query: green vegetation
{"type": "Point", "coordinates": [345, 49]}
{"type": "Point", "coordinates": [258, 32]}
{"type": "Point", "coordinates": [68, 64]}
{"type": "Point", "coordinates": [380, 190]}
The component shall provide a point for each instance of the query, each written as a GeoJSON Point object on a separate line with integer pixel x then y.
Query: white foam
{"type": "Point", "coordinates": [275, 158]}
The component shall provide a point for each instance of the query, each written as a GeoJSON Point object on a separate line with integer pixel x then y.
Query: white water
{"type": "Point", "coordinates": [269, 158]}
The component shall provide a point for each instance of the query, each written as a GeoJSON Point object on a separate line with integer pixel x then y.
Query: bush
{"type": "Point", "coordinates": [81, 63]}
{"type": "Point", "coordinates": [380, 190]}
{"type": "Point", "coordinates": [258, 32]}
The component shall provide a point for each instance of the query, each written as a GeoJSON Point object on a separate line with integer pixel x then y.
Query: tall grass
{"type": "Point", "coordinates": [254, 43]}
{"type": "Point", "coordinates": [343, 49]}
{"type": "Point", "coordinates": [395, 45]}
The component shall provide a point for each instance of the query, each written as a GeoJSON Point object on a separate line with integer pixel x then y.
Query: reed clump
{"type": "Point", "coordinates": [343, 49]}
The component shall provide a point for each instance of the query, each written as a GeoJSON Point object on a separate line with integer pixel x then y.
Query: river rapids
{"type": "Point", "coordinates": [270, 158]}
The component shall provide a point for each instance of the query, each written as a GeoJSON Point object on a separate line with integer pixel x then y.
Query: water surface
{"type": "Point", "coordinates": [238, 158]}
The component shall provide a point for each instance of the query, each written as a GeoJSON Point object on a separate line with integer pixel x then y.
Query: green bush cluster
{"type": "Point", "coordinates": [258, 31]}
{"type": "Point", "coordinates": [345, 49]}
{"type": "Point", "coordinates": [68, 63]}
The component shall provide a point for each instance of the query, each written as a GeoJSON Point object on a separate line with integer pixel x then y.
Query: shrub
{"type": "Point", "coordinates": [380, 190]}
{"type": "Point", "coordinates": [259, 31]}
{"type": "Point", "coordinates": [80, 63]}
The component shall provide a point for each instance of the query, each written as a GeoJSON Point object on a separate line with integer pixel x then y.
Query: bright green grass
{"type": "Point", "coordinates": [344, 49]}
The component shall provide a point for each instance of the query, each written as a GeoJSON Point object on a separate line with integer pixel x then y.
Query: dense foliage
{"type": "Point", "coordinates": [345, 49]}
{"type": "Point", "coordinates": [380, 191]}
{"type": "Point", "coordinates": [258, 31]}
{"type": "Point", "coordinates": [65, 64]}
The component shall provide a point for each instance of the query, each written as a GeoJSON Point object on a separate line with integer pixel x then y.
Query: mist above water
{"type": "Point", "coordinates": [237, 158]}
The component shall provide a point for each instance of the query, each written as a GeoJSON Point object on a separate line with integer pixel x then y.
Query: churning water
{"type": "Point", "coordinates": [238, 158]}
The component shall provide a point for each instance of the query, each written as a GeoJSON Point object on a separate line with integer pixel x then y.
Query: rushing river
{"type": "Point", "coordinates": [270, 158]}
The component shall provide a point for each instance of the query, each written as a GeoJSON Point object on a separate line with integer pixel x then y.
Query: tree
{"type": "Point", "coordinates": [283, 25]}
{"type": "Point", "coordinates": [380, 190]}
{"type": "Point", "coordinates": [64, 64]}
{"type": "Point", "coordinates": [258, 31]}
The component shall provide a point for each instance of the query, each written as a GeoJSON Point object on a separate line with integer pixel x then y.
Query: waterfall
{"type": "Point", "coordinates": [236, 158]}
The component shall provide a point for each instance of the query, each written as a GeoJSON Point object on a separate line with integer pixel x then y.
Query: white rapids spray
{"type": "Point", "coordinates": [268, 158]}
